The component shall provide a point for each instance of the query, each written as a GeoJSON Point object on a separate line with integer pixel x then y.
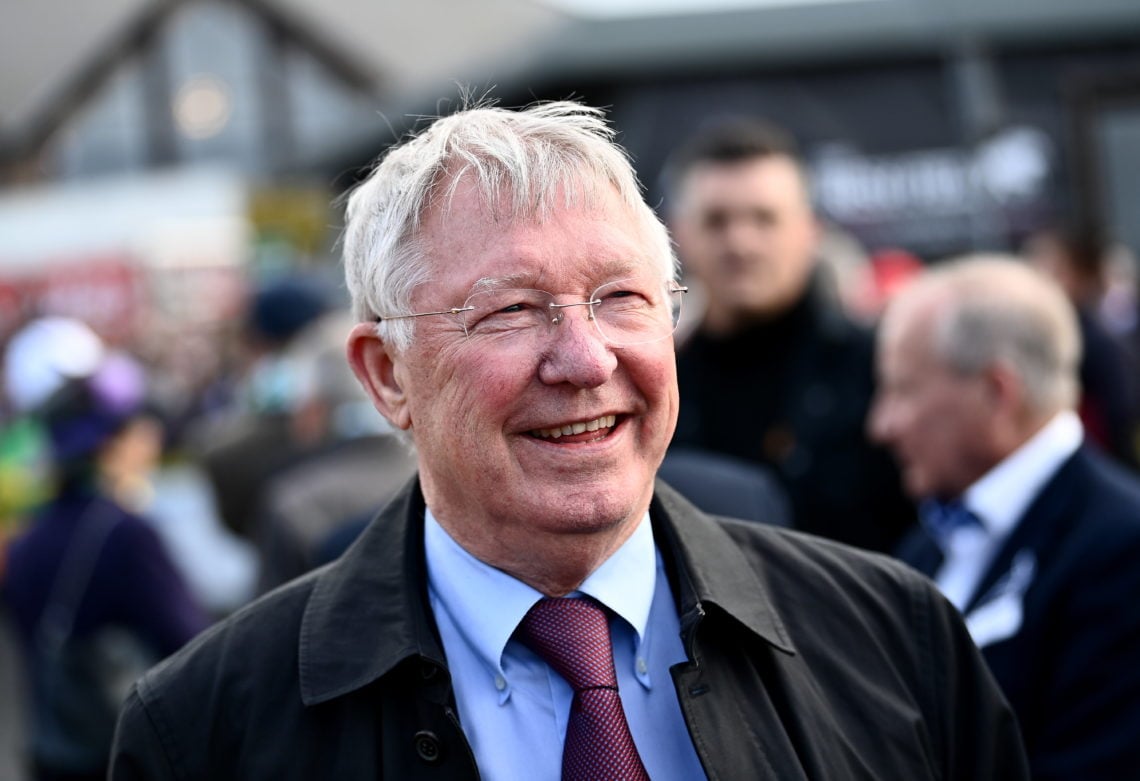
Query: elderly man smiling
{"type": "Point", "coordinates": [534, 605]}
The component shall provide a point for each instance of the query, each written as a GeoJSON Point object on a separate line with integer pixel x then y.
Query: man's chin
{"type": "Point", "coordinates": [916, 487]}
{"type": "Point", "coordinates": [589, 509]}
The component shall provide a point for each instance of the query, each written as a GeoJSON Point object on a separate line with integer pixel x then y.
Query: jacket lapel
{"type": "Point", "coordinates": [369, 610]}
{"type": "Point", "coordinates": [710, 569]}
{"type": "Point", "coordinates": [713, 582]}
{"type": "Point", "coordinates": [1039, 525]}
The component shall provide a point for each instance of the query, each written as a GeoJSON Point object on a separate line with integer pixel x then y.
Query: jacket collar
{"type": "Point", "coordinates": [709, 569]}
{"type": "Point", "coordinates": [369, 611]}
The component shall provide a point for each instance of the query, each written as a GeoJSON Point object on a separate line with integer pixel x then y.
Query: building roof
{"type": "Point", "coordinates": [58, 53]}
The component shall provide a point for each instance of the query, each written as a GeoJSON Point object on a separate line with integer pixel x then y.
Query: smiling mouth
{"type": "Point", "coordinates": [601, 425]}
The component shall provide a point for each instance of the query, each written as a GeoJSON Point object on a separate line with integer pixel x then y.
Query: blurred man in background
{"type": "Point", "coordinates": [775, 372]}
{"type": "Point", "coordinates": [338, 486]}
{"type": "Point", "coordinates": [1032, 535]}
{"type": "Point", "coordinates": [261, 434]}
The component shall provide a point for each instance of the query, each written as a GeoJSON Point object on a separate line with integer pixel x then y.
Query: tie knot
{"type": "Point", "coordinates": [572, 635]}
{"type": "Point", "coordinates": [941, 519]}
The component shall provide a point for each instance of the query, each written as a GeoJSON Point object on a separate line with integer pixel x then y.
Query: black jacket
{"type": "Point", "coordinates": [792, 394]}
{"type": "Point", "coordinates": [807, 660]}
{"type": "Point", "coordinates": [1070, 661]}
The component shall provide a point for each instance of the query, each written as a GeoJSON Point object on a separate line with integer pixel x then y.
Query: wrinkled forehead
{"type": "Point", "coordinates": [469, 212]}
{"type": "Point", "coordinates": [562, 236]}
{"type": "Point", "coordinates": [503, 196]}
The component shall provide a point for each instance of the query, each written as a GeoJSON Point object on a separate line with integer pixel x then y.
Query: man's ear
{"type": "Point", "coordinates": [1005, 387]}
{"type": "Point", "coordinates": [1007, 403]}
{"type": "Point", "coordinates": [375, 364]}
{"type": "Point", "coordinates": [1009, 414]}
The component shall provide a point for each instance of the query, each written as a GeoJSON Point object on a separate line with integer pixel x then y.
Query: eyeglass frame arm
{"type": "Point", "coordinates": [453, 311]}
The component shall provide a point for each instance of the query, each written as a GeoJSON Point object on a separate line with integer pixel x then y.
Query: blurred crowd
{"type": "Point", "coordinates": [148, 488]}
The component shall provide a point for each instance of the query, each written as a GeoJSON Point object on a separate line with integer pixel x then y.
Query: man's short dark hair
{"type": "Point", "coordinates": [728, 141]}
{"type": "Point", "coordinates": [1084, 244]}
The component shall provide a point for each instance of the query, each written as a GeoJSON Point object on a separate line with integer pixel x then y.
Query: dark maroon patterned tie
{"type": "Point", "coordinates": [573, 637]}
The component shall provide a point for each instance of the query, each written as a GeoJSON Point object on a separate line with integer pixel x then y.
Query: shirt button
{"type": "Point", "coordinates": [642, 667]}
{"type": "Point", "coordinates": [500, 682]}
{"type": "Point", "coordinates": [428, 746]}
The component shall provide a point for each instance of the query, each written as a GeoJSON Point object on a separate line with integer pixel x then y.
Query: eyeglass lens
{"type": "Point", "coordinates": [625, 312]}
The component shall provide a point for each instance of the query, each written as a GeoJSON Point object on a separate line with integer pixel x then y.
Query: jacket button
{"type": "Point", "coordinates": [428, 747]}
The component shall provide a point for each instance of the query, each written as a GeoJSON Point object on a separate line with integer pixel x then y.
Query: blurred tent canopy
{"type": "Point", "coordinates": [56, 54]}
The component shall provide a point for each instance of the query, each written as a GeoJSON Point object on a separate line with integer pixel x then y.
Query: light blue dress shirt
{"type": "Point", "coordinates": [512, 706]}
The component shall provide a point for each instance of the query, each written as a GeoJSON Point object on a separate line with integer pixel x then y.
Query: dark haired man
{"type": "Point", "coordinates": [775, 373]}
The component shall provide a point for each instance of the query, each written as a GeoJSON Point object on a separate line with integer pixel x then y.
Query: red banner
{"type": "Point", "coordinates": [107, 293]}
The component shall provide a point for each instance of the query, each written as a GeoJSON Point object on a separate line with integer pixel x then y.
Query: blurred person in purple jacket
{"type": "Point", "coordinates": [93, 595]}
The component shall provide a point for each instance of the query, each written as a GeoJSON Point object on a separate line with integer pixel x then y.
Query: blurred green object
{"type": "Point", "coordinates": [25, 472]}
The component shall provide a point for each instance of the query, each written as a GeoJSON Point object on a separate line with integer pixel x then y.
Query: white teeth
{"type": "Point", "coordinates": [605, 421]}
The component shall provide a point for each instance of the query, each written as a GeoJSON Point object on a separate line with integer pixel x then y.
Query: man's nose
{"type": "Point", "coordinates": [740, 232]}
{"type": "Point", "coordinates": [575, 351]}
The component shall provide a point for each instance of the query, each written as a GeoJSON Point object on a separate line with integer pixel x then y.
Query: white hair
{"type": "Point", "coordinates": [524, 160]}
{"type": "Point", "coordinates": [1000, 309]}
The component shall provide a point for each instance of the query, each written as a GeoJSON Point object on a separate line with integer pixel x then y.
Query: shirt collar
{"type": "Point", "coordinates": [1002, 495]}
{"type": "Point", "coordinates": [464, 585]}
{"type": "Point", "coordinates": [625, 581]}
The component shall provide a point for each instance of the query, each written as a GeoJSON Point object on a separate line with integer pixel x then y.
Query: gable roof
{"type": "Point", "coordinates": [56, 54]}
